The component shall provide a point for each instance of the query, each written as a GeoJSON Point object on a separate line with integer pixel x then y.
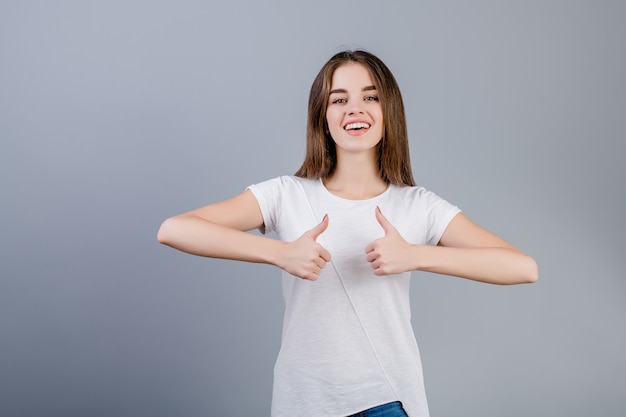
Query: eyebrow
{"type": "Point", "coordinates": [342, 90]}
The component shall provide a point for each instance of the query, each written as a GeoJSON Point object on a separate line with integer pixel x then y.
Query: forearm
{"type": "Point", "coordinates": [203, 238]}
{"type": "Point", "coordinates": [490, 265]}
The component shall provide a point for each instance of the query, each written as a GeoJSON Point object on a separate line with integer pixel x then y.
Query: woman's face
{"type": "Point", "coordinates": [354, 114]}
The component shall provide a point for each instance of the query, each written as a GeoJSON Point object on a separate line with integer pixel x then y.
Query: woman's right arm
{"type": "Point", "coordinates": [220, 230]}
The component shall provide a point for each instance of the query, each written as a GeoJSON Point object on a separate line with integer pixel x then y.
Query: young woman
{"type": "Point", "coordinates": [352, 226]}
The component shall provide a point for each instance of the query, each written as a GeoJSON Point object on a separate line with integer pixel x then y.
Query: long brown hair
{"type": "Point", "coordinates": [393, 150]}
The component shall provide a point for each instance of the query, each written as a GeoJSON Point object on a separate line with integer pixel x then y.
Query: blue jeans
{"type": "Point", "coordinates": [386, 410]}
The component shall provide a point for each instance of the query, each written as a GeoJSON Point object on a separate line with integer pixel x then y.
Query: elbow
{"type": "Point", "coordinates": [531, 273]}
{"type": "Point", "coordinates": [164, 235]}
{"type": "Point", "coordinates": [525, 271]}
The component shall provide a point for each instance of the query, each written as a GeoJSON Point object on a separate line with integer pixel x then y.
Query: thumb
{"type": "Point", "coordinates": [384, 223]}
{"type": "Point", "coordinates": [320, 228]}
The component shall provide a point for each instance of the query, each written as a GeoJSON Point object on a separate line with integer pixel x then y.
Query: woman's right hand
{"type": "Point", "coordinates": [304, 257]}
{"type": "Point", "coordinates": [219, 230]}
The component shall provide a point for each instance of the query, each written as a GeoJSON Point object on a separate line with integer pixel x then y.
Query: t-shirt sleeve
{"type": "Point", "coordinates": [439, 215]}
{"type": "Point", "coordinates": [268, 195]}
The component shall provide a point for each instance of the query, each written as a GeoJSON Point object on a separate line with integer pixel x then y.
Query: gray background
{"type": "Point", "coordinates": [116, 115]}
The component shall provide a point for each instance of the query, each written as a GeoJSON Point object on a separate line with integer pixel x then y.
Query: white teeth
{"type": "Point", "coordinates": [352, 126]}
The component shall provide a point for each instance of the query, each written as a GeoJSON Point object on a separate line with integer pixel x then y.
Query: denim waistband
{"type": "Point", "coordinates": [393, 409]}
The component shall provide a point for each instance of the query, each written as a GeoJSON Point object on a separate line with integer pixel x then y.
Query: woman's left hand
{"type": "Point", "coordinates": [390, 254]}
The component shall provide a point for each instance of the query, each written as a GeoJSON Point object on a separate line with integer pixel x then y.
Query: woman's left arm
{"type": "Point", "coordinates": [469, 251]}
{"type": "Point", "coordinates": [465, 250]}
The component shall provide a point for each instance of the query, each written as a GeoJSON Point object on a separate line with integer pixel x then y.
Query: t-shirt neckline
{"type": "Point", "coordinates": [335, 196]}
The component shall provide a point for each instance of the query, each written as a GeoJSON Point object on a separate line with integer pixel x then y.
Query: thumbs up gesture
{"type": "Point", "coordinates": [390, 254]}
{"type": "Point", "coordinates": [304, 257]}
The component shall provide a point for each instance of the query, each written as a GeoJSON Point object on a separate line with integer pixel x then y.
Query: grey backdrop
{"type": "Point", "coordinates": [116, 115]}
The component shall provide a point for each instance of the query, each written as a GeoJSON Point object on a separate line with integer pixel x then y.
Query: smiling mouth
{"type": "Point", "coordinates": [357, 126]}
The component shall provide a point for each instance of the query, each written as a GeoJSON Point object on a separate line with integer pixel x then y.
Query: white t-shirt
{"type": "Point", "coordinates": [347, 342]}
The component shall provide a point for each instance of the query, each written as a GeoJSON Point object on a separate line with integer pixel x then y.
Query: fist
{"type": "Point", "coordinates": [390, 254]}
{"type": "Point", "coordinates": [304, 257]}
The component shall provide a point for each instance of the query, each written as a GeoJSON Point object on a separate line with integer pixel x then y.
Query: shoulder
{"type": "Point", "coordinates": [420, 198]}
{"type": "Point", "coordinates": [283, 182]}
{"type": "Point", "coordinates": [285, 186]}
{"type": "Point", "coordinates": [415, 193]}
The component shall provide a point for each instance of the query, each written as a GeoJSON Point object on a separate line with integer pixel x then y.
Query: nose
{"type": "Point", "coordinates": [355, 108]}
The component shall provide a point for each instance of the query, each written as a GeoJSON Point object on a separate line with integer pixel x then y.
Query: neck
{"type": "Point", "coordinates": [356, 177]}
